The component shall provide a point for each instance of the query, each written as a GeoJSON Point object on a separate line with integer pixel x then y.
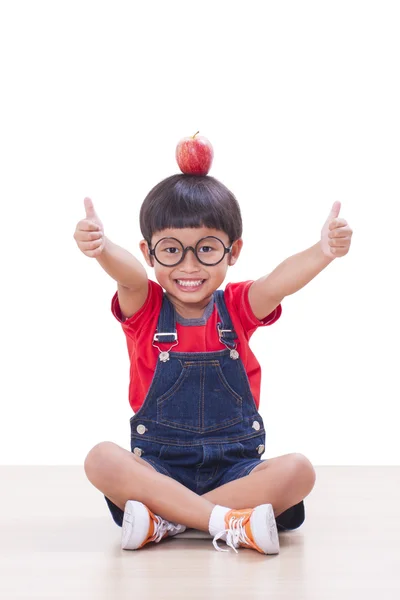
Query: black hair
{"type": "Point", "coordinates": [183, 201]}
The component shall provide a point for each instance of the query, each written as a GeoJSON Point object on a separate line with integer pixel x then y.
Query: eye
{"type": "Point", "coordinates": [168, 246]}
{"type": "Point", "coordinates": [206, 249]}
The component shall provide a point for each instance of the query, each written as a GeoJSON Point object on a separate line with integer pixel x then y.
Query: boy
{"type": "Point", "coordinates": [197, 436]}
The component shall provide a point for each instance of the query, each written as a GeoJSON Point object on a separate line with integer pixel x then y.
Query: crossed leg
{"type": "Point", "coordinates": [119, 474]}
{"type": "Point", "coordinates": [282, 481]}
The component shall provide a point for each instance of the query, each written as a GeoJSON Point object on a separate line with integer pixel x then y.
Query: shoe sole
{"type": "Point", "coordinates": [264, 530]}
{"type": "Point", "coordinates": [135, 525]}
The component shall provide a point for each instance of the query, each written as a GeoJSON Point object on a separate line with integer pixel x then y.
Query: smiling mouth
{"type": "Point", "coordinates": [190, 283]}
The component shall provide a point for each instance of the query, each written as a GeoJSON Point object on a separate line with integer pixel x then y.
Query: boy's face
{"type": "Point", "coordinates": [206, 279]}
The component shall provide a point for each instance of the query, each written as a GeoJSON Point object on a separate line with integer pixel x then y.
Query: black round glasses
{"type": "Point", "coordinates": [209, 251]}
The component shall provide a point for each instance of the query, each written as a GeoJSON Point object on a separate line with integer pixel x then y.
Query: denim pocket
{"type": "Point", "coordinates": [201, 400]}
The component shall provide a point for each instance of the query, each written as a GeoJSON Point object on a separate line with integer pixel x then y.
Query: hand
{"type": "Point", "coordinates": [89, 233]}
{"type": "Point", "coordinates": [335, 234]}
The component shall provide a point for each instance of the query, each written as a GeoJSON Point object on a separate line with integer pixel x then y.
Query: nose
{"type": "Point", "coordinates": [190, 261]}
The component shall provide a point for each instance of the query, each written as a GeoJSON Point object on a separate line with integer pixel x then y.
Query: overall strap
{"type": "Point", "coordinates": [225, 329]}
{"type": "Point", "coordinates": [166, 326]}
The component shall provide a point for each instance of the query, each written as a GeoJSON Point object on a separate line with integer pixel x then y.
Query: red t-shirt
{"type": "Point", "coordinates": [140, 328]}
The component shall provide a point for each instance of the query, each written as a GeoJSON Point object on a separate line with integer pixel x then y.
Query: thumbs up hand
{"type": "Point", "coordinates": [89, 232]}
{"type": "Point", "coordinates": [335, 234]}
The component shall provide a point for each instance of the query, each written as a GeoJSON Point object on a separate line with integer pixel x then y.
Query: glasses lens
{"type": "Point", "coordinates": [210, 250]}
{"type": "Point", "coordinates": [168, 251]}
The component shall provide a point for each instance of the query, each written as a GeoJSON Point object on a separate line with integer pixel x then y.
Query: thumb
{"type": "Point", "coordinates": [335, 210]}
{"type": "Point", "coordinates": [90, 212]}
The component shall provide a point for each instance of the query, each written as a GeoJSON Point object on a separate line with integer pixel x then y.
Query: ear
{"type": "Point", "coordinates": [235, 252]}
{"type": "Point", "coordinates": [143, 245]}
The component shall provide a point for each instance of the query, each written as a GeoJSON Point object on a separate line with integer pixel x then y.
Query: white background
{"type": "Point", "coordinates": [301, 103]}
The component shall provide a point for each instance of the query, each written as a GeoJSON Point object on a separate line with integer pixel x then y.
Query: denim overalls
{"type": "Point", "coordinates": [199, 423]}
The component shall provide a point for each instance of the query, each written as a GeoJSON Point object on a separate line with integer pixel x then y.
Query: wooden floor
{"type": "Point", "coordinates": [58, 541]}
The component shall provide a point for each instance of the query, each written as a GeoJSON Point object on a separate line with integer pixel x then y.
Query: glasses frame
{"type": "Point", "coordinates": [152, 251]}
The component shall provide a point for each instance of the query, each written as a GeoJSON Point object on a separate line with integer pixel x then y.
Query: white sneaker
{"type": "Point", "coordinates": [141, 526]}
{"type": "Point", "coordinates": [250, 528]}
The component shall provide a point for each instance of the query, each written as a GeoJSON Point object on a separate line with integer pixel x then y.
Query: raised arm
{"type": "Point", "coordinates": [120, 264]}
{"type": "Point", "coordinates": [296, 271]}
{"type": "Point", "coordinates": [130, 275]}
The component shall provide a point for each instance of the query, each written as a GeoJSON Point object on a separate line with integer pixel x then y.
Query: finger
{"type": "Point", "coordinates": [88, 236]}
{"type": "Point", "coordinates": [339, 243]}
{"type": "Point", "coordinates": [340, 232]}
{"type": "Point", "coordinates": [339, 251]}
{"type": "Point", "coordinates": [86, 225]}
{"type": "Point", "coordinates": [85, 246]}
{"type": "Point", "coordinates": [337, 223]}
{"type": "Point", "coordinates": [94, 253]}
{"type": "Point", "coordinates": [335, 210]}
{"type": "Point", "coordinates": [90, 212]}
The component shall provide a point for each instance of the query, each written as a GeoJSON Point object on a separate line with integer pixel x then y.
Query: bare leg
{"type": "Point", "coordinates": [122, 476]}
{"type": "Point", "coordinates": [282, 481]}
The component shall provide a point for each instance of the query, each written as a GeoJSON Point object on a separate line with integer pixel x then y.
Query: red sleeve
{"type": "Point", "coordinates": [238, 295]}
{"type": "Point", "coordinates": [152, 306]}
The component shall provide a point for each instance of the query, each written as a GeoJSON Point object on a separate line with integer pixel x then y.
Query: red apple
{"type": "Point", "coordinates": [194, 155]}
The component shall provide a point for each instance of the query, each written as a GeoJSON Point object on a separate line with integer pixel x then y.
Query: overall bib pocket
{"type": "Point", "coordinates": [201, 400]}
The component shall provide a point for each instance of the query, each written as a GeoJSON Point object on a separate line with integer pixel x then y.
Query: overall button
{"type": "Point", "coordinates": [141, 429]}
{"type": "Point", "coordinates": [256, 425]}
{"type": "Point", "coordinates": [260, 448]}
{"type": "Point", "coordinates": [138, 451]}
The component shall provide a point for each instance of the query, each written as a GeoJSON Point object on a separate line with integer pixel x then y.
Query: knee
{"type": "Point", "coordinates": [98, 459]}
{"type": "Point", "coordinates": [304, 472]}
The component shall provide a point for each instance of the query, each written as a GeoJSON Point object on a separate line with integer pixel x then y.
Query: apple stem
{"type": "Point", "coordinates": [196, 134]}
